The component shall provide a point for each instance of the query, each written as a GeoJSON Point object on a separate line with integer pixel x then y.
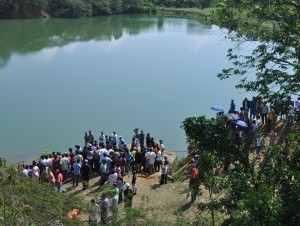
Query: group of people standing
{"type": "Point", "coordinates": [258, 109]}
{"type": "Point", "coordinates": [108, 157]}
{"type": "Point", "coordinates": [261, 116]}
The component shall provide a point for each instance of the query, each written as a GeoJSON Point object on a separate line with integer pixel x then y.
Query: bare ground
{"type": "Point", "coordinates": [169, 202]}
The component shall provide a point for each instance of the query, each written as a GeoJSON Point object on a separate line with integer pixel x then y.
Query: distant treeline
{"type": "Point", "coordinates": [88, 8]}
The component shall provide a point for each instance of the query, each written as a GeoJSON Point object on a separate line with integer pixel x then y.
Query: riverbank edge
{"type": "Point", "coordinates": [188, 13]}
{"type": "Point", "coordinates": [172, 154]}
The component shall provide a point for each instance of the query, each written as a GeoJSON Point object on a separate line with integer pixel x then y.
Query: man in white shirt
{"type": "Point", "coordinates": [35, 171]}
{"type": "Point", "coordinates": [164, 172]}
{"type": "Point", "coordinates": [161, 147]}
{"type": "Point", "coordinates": [159, 159]}
{"type": "Point", "coordinates": [64, 164]}
{"type": "Point", "coordinates": [114, 138]}
{"type": "Point", "coordinates": [25, 171]}
{"type": "Point", "coordinates": [101, 152]}
{"type": "Point", "coordinates": [49, 161]}
{"type": "Point", "coordinates": [94, 210]}
{"type": "Point", "coordinates": [113, 178]}
{"type": "Point", "coordinates": [101, 138]}
{"type": "Point", "coordinates": [44, 161]}
{"type": "Point", "coordinates": [150, 158]}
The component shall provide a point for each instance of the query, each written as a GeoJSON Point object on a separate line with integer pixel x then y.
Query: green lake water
{"type": "Point", "coordinates": [62, 77]}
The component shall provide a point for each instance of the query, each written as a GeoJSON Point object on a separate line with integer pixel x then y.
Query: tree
{"type": "Point", "coordinates": [217, 145]}
{"type": "Point", "coordinates": [273, 66]}
{"type": "Point", "coordinates": [214, 136]}
{"type": "Point", "coordinates": [250, 193]}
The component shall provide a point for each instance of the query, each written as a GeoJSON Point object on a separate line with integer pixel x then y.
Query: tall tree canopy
{"type": "Point", "coordinates": [251, 192]}
{"type": "Point", "coordinates": [273, 66]}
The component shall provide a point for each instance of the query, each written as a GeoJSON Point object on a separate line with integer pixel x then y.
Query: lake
{"type": "Point", "coordinates": [62, 77]}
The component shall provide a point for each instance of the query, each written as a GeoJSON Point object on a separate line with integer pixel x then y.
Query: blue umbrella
{"type": "Point", "coordinates": [217, 108]}
{"type": "Point", "coordinates": [241, 123]}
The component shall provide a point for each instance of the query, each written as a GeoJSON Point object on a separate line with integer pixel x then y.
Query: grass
{"type": "Point", "coordinates": [190, 13]}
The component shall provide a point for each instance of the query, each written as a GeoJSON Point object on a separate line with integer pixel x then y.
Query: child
{"type": "Point", "coordinates": [134, 185]}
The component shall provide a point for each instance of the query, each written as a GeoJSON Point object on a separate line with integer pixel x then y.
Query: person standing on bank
{"type": "Point", "coordinates": [94, 210]}
{"type": "Point", "coordinates": [128, 196]}
{"type": "Point", "coordinates": [164, 172]}
{"type": "Point", "coordinates": [246, 106]}
{"type": "Point", "coordinates": [104, 204]}
{"type": "Point", "coordinates": [264, 113]}
{"type": "Point", "coordinates": [76, 173]}
{"type": "Point", "coordinates": [232, 106]}
{"type": "Point", "coordinates": [86, 172]}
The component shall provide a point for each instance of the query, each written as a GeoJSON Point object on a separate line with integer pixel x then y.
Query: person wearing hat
{"type": "Point", "coordinates": [128, 195]}
{"type": "Point", "coordinates": [85, 171]}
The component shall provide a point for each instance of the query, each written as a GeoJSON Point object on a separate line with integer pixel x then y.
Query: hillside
{"type": "Point", "coordinates": [162, 204]}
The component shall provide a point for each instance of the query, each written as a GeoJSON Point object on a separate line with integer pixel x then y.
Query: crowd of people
{"type": "Point", "coordinates": [256, 116]}
{"type": "Point", "coordinates": [258, 109]}
{"type": "Point", "coordinates": [111, 159]}
{"type": "Point", "coordinates": [260, 116]}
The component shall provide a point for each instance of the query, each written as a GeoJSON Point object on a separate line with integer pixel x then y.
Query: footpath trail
{"type": "Point", "coordinates": [168, 202]}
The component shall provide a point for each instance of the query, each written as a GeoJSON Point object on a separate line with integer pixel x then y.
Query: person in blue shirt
{"type": "Point", "coordinates": [76, 172]}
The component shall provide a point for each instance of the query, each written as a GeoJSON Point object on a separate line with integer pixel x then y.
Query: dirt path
{"type": "Point", "coordinates": [163, 202]}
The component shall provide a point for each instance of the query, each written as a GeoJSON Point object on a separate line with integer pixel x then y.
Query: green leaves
{"type": "Point", "coordinates": [23, 200]}
{"type": "Point", "coordinates": [249, 193]}
{"type": "Point", "coordinates": [275, 60]}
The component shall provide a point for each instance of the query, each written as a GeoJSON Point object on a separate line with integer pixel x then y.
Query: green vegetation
{"type": "Point", "coordinates": [191, 13]}
{"type": "Point", "coordinates": [89, 8]}
{"type": "Point", "coordinates": [241, 190]}
{"type": "Point", "coordinates": [246, 192]}
{"type": "Point", "coordinates": [24, 201]}
{"type": "Point", "coordinates": [272, 68]}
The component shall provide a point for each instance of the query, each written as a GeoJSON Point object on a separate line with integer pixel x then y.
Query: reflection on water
{"type": "Point", "coordinates": [31, 35]}
{"type": "Point", "coordinates": [61, 77]}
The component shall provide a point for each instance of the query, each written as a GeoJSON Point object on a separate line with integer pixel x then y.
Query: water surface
{"type": "Point", "coordinates": [61, 77]}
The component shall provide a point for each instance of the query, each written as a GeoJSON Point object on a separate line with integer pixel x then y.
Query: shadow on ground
{"type": "Point", "coordinates": [185, 207]}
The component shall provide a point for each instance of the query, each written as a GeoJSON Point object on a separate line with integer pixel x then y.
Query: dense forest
{"type": "Point", "coordinates": [87, 8]}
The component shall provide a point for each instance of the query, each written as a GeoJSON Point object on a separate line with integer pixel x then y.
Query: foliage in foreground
{"type": "Point", "coordinates": [248, 193]}
{"type": "Point", "coordinates": [272, 66]}
{"type": "Point", "coordinates": [27, 202]}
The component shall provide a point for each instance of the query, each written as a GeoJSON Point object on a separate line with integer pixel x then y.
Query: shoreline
{"type": "Point", "coordinates": [173, 156]}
